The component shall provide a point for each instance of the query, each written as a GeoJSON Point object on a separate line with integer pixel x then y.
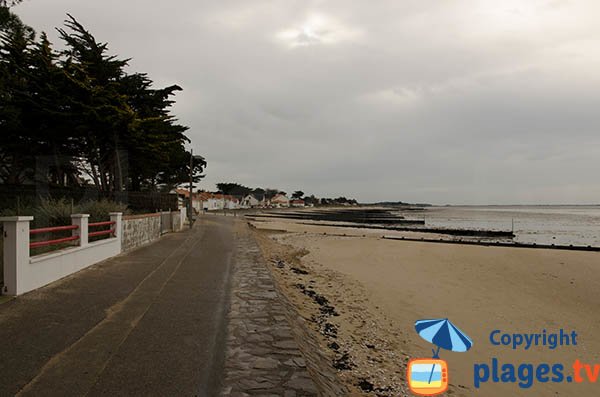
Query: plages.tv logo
{"type": "Point", "coordinates": [429, 376]}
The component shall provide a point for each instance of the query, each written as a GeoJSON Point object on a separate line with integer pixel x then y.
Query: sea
{"type": "Point", "coordinates": [560, 225]}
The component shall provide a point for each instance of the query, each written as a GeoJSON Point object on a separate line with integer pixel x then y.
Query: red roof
{"type": "Point", "coordinates": [183, 192]}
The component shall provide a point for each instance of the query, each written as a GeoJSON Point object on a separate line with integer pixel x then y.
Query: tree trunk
{"type": "Point", "coordinates": [118, 171]}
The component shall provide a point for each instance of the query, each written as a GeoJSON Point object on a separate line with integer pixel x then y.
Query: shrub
{"type": "Point", "coordinates": [57, 212]}
{"type": "Point", "coordinates": [100, 209]}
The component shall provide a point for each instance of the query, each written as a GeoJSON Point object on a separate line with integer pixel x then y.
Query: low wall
{"type": "Point", "coordinates": [23, 272]}
{"type": "Point", "coordinates": [46, 268]}
{"type": "Point", "coordinates": [139, 230]}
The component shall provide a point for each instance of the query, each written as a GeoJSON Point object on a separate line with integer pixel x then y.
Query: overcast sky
{"type": "Point", "coordinates": [461, 102]}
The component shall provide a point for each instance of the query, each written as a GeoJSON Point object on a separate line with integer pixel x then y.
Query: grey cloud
{"type": "Point", "coordinates": [444, 102]}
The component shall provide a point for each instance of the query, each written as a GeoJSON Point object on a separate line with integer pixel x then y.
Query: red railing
{"type": "Point", "coordinates": [44, 243]}
{"type": "Point", "coordinates": [102, 232]}
{"type": "Point", "coordinates": [52, 229]}
{"type": "Point", "coordinates": [107, 223]}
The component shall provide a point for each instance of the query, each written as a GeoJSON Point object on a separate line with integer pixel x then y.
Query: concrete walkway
{"type": "Point", "coordinates": [155, 322]}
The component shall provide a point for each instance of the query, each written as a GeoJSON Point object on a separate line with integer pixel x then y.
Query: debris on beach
{"type": "Point", "coordinates": [365, 385]}
{"type": "Point", "coordinates": [329, 330]}
{"type": "Point", "coordinates": [334, 346]}
{"type": "Point", "coordinates": [328, 310]}
{"type": "Point", "coordinates": [362, 347]}
{"type": "Point", "coordinates": [298, 271]}
{"type": "Point", "coordinates": [279, 263]}
{"type": "Point", "coordinates": [343, 363]}
{"type": "Point", "coordinates": [325, 308]}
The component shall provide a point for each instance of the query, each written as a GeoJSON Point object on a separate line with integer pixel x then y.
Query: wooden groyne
{"type": "Point", "coordinates": [451, 232]}
{"type": "Point", "coordinates": [499, 244]}
{"type": "Point", "coordinates": [362, 216]}
{"type": "Point", "coordinates": [370, 221]}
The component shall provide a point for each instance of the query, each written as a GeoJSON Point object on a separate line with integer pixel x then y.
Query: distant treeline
{"type": "Point", "coordinates": [76, 117]}
{"type": "Point", "coordinates": [399, 204]}
{"type": "Point", "coordinates": [236, 189]}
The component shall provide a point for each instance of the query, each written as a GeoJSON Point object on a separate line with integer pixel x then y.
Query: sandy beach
{"type": "Point", "coordinates": [379, 288]}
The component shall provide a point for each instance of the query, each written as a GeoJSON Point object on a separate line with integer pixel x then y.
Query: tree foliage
{"type": "Point", "coordinates": [77, 115]}
{"type": "Point", "coordinates": [9, 3]}
{"type": "Point", "coordinates": [233, 188]}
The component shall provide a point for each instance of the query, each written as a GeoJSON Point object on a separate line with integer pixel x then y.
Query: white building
{"type": "Point", "coordinates": [297, 203]}
{"type": "Point", "coordinates": [280, 200]}
{"type": "Point", "coordinates": [253, 201]}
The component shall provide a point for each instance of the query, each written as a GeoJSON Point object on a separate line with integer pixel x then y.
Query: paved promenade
{"type": "Point", "coordinates": [150, 322]}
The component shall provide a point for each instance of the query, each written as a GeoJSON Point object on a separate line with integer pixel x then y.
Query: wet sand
{"type": "Point", "coordinates": [382, 286]}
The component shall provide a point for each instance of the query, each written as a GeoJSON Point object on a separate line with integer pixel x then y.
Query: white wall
{"type": "Point", "coordinates": [23, 273]}
{"type": "Point", "coordinates": [46, 268]}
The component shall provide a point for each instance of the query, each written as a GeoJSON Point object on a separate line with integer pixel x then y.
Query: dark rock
{"type": "Point", "coordinates": [365, 385]}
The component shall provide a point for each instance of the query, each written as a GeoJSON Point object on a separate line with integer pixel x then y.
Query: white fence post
{"type": "Point", "coordinates": [174, 226]}
{"type": "Point", "coordinates": [117, 217]}
{"type": "Point", "coordinates": [81, 220]}
{"type": "Point", "coordinates": [182, 217]}
{"type": "Point", "coordinates": [16, 250]}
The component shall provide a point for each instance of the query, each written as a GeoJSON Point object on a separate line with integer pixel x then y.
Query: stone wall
{"type": "Point", "coordinates": [139, 230]}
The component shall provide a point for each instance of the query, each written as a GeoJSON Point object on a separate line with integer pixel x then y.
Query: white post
{"type": "Point", "coordinates": [182, 218]}
{"type": "Point", "coordinates": [117, 218]}
{"type": "Point", "coordinates": [81, 220]}
{"type": "Point", "coordinates": [16, 250]}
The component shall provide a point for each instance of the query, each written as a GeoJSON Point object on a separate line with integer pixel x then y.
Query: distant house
{"type": "Point", "coordinates": [253, 201]}
{"type": "Point", "coordinates": [183, 194]}
{"type": "Point", "coordinates": [210, 202]}
{"type": "Point", "coordinates": [297, 203]}
{"type": "Point", "coordinates": [231, 202]}
{"type": "Point", "coordinates": [280, 200]}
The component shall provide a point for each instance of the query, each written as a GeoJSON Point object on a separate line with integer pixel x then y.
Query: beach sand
{"type": "Point", "coordinates": [381, 287]}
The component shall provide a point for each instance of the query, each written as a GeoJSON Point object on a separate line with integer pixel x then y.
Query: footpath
{"type": "Point", "coordinates": [157, 321]}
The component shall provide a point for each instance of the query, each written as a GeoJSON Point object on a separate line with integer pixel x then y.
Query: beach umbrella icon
{"type": "Point", "coordinates": [442, 333]}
